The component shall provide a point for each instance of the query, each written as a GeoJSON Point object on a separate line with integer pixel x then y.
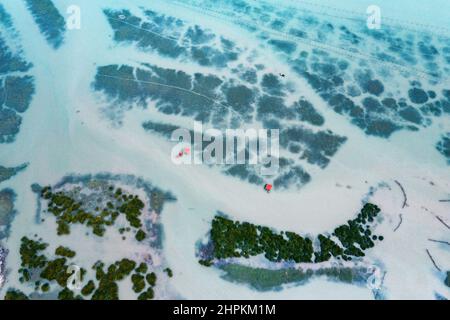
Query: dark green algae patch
{"type": "Point", "coordinates": [50, 274]}
{"type": "Point", "coordinates": [8, 172]}
{"type": "Point", "coordinates": [94, 201]}
{"type": "Point", "coordinates": [230, 239]}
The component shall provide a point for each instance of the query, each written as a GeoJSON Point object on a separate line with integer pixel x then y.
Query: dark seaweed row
{"type": "Point", "coordinates": [205, 97]}
{"type": "Point", "coordinates": [171, 90]}
{"type": "Point", "coordinates": [166, 35]}
{"type": "Point", "coordinates": [103, 181]}
{"type": "Point", "coordinates": [289, 173]}
{"type": "Point", "coordinates": [50, 22]}
{"type": "Point", "coordinates": [239, 97]}
{"type": "Point", "coordinates": [284, 27]}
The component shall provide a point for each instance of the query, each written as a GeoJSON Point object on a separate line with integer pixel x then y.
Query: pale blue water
{"type": "Point", "coordinates": [356, 108]}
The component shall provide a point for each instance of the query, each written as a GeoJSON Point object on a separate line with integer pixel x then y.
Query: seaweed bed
{"type": "Point", "coordinates": [347, 65]}
{"type": "Point", "coordinates": [49, 275]}
{"type": "Point", "coordinates": [232, 239]}
{"type": "Point", "coordinates": [16, 85]}
{"type": "Point", "coordinates": [273, 279]}
{"type": "Point", "coordinates": [96, 202]}
{"type": "Point", "coordinates": [8, 172]}
{"type": "Point", "coordinates": [381, 80]}
{"type": "Point", "coordinates": [50, 22]}
{"type": "Point", "coordinates": [249, 96]}
{"type": "Point", "coordinates": [7, 211]}
{"type": "Point", "coordinates": [443, 146]}
{"type": "Point", "coordinates": [3, 254]}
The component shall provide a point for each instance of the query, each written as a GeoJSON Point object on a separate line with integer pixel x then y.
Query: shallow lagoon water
{"type": "Point", "coordinates": [69, 130]}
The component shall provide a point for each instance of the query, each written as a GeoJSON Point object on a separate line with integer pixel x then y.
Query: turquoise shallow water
{"type": "Point", "coordinates": [431, 14]}
{"type": "Point", "coordinates": [357, 110]}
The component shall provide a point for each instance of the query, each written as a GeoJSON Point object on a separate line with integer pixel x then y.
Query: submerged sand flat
{"type": "Point", "coordinates": [364, 116]}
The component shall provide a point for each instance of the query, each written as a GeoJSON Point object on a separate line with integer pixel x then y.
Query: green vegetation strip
{"type": "Point", "coordinates": [266, 279]}
{"type": "Point", "coordinates": [242, 239]}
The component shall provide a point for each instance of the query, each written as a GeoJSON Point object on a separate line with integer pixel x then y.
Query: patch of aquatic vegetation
{"type": "Point", "coordinates": [94, 201]}
{"type": "Point", "coordinates": [443, 146]}
{"type": "Point", "coordinates": [233, 239]}
{"type": "Point", "coordinates": [69, 211]}
{"type": "Point", "coordinates": [262, 279]}
{"type": "Point", "coordinates": [50, 277]}
{"type": "Point", "coordinates": [380, 80]}
{"type": "Point", "coordinates": [224, 102]}
{"type": "Point", "coordinates": [215, 101]}
{"type": "Point", "coordinates": [249, 95]}
{"type": "Point", "coordinates": [305, 24]}
{"type": "Point", "coordinates": [8, 172]}
{"type": "Point", "coordinates": [171, 37]}
{"type": "Point", "coordinates": [7, 211]}
{"type": "Point", "coordinates": [49, 20]}
{"type": "Point", "coordinates": [3, 254]}
{"type": "Point", "coordinates": [16, 86]}
{"type": "Point", "coordinates": [288, 174]}
{"type": "Point", "coordinates": [119, 204]}
{"type": "Point", "coordinates": [366, 99]}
